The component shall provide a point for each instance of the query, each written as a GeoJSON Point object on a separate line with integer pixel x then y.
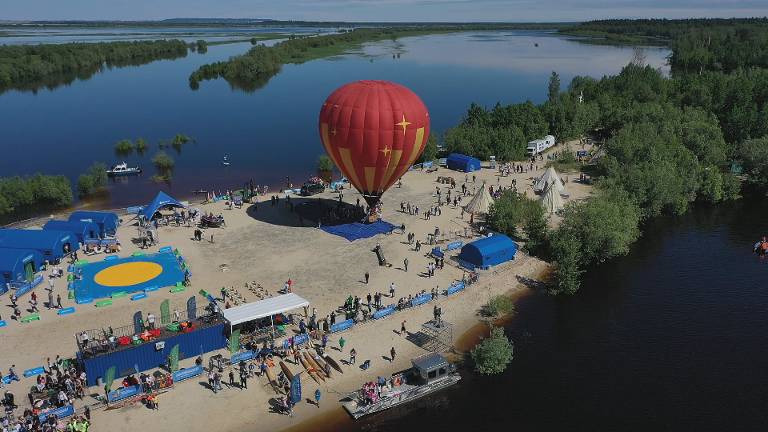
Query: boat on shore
{"type": "Point", "coordinates": [430, 373]}
{"type": "Point", "coordinates": [123, 169]}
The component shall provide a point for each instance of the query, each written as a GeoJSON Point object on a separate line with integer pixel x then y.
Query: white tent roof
{"type": "Point", "coordinates": [549, 177]}
{"type": "Point", "coordinates": [551, 199]}
{"type": "Point", "coordinates": [263, 308]}
{"type": "Point", "coordinates": [481, 202]}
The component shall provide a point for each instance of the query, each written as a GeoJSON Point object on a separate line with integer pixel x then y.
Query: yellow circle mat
{"type": "Point", "coordinates": [128, 274]}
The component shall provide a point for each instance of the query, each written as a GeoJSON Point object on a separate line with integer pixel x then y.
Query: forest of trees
{"type": "Point", "coordinates": [29, 67]}
{"type": "Point", "coordinates": [670, 141]}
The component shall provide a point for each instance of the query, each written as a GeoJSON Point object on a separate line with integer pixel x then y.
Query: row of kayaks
{"type": "Point", "coordinates": [319, 368]}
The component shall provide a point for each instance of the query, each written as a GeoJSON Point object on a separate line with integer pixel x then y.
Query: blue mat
{"type": "Point", "coordinates": [357, 231]}
{"type": "Point", "coordinates": [87, 288]}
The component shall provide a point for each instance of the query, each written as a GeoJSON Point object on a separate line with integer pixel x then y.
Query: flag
{"type": "Point", "coordinates": [165, 312]}
{"type": "Point", "coordinates": [234, 342]}
{"type": "Point", "coordinates": [296, 389]}
{"type": "Point", "coordinates": [191, 308]}
{"type": "Point", "coordinates": [109, 377]}
{"type": "Point", "coordinates": [173, 358]}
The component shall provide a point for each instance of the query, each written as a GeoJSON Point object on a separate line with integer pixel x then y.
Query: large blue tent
{"type": "Point", "coordinates": [107, 221]}
{"type": "Point", "coordinates": [53, 245]}
{"type": "Point", "coordinates": [18, 265]}
{"type": "Point", "coordinates": [82, 230]}
{"type": "Point", "coordinates": [489, 251]}
{"type": "Point", "coordinates": [161, 200]}
{"type": "Point", "coordinates": [460, 162]}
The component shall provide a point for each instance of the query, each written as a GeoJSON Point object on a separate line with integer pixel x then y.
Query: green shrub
{"type": "Point", "coordinates": [124, 147]}
{"type": "Point", "coordinates": [324, 163]}
{"type": "Point", "coordinates": [499, 305]}
{"type": "Point", "coordinates": [493, 354]}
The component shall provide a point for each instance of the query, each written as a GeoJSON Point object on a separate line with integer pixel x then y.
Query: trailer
{"type": "Point", "coordinates": [539, 145]}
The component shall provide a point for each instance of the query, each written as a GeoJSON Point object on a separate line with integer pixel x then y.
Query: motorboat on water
{"type": "Point", "coordinates": [430, 373]}
{"type": "Point", "coordinates": [122, 169]}
{"type": "Point", "coordinates": [225, 162]}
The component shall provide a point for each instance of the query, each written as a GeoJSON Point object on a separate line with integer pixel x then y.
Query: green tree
{"type": "Point", "coordinates": [164, 166]}
{"type": "Point", "coordinates": [566, 250]}
{"type": "Point", "coordinates": [493, 354]}
{"type": "Point", "coordinates": [93, 180]}
{"type": "Point", "coordinates": [202, 46]}
{"type": "Point", "coordinates": [430, 150]}
{"type": "Point", "coordinates": [324, 163]}
{"type": "Point", "coordinates": [141, 146]}
{"type": "Point", "coordinates": [754, 157]}
{"type": "Point", "coordinates": [499, 306]}
{"type": "Point", "coordinates": [514, 214]}
{"type": "Point", "coordinates": [124, 147]}
{"type": "Point", "coordinates": [553, 90]}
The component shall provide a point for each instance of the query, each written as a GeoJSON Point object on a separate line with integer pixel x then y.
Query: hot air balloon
{"type": "Point", "coordinates": [373, 131]}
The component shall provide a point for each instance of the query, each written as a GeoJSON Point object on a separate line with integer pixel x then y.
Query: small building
{"type": "Point", "coordinates": [460, 162]}
{"type": "Point", "coordinates": [53, 245]}
{"type": "Point", "coordinates": [18, 265]}
{"type": "Point", "coordinates": [107, 221]}
{"type": "Point", "coordinates": [82, 230]}
{"type": "Point", "coordinates": [489, 251]}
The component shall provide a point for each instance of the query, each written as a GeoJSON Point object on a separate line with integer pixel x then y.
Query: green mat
{"type": "Point", "coordinates": [178, 288]}
{"type": "Point", "coordinates": [81, 262]}
{"type": "Point", "coordinates": [70, 277]}
{"type": "Point", "coordinates": [31, 317]}
{"type": "Point", "coordinates": [103, 303]}
{"type": "Point", "coordinates": [119, 294]}
{"type": "Point", "coordinates": [174, 327]}
{"type": "Point", "coordinates": [71, 294]}
{"type": "Point", "coordinates": [137, 254]}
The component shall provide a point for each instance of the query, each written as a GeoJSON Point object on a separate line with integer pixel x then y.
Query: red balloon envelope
{"type": "Point", "coordinates": [374, 131]}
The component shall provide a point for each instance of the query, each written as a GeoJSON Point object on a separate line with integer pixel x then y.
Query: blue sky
{"type": "Point", "coordinates": [379, 10]}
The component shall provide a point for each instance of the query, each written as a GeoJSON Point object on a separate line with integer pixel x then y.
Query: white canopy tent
{"type": "Point", "coordinates": [263, 308]}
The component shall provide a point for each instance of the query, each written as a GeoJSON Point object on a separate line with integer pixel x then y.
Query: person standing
{"type": "Point", "coordinates": [405, 265]}
{"type": "Point", "coordinates": [392, 289]}
{"type": "Point", "coordinates": [231, 378]}
{"type": "Point", "coordinates": [341, 343]}
{"type": "Point", "coordinates": [352, 356]}
{"type": "Point", "coordinates": [243, 379]}
{"type": "Point", "coordinates": [392, 355]}
{"type": "Point", "coordinates": [317, 397]}
{"type": "Point", "coordinates": [402, 328]}
{"type": "Point", "coordinates": [367, 277]}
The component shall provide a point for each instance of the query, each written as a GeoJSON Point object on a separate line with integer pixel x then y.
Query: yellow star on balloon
{"type": "Point", "coordinates": [386, 151]}
{"type": "Point", "coordinates": [404, 124]}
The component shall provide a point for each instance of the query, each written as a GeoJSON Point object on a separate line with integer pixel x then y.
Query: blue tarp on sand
{"type": "Point", "coordinates": [357, 231]}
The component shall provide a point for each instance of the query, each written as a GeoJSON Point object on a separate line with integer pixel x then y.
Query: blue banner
{"type": "Point", "coordinates": [300, 339]}
{"type": "Point", "coordinates": [123, 392]}
{"type": "Point", "coordinates": [381, 313]}
{"type": "Point", "coordinates": [60, 413]}
{"type": "Point", "coordinates": [455, 287]}
{"type": "Point", "coordinates": [242, 356]}
{"type": "Point", "coordinates": [341, 326]}
{"type": "Point", "coordinates": [420, 300]}
{"type": "Point", "coordinates": [191, 372]}
{"type": "Point", "coordinates": [454, 245]}
{"type": "Point", "coordinates": [296, 389]}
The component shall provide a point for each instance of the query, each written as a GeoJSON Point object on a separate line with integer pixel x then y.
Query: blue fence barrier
{"type": "Point", "coordinates": [123, 393]}
{"type": "Point", "coordinates": [28, 286]}
{"type": "Point", "coordinates": [60, 413]}
{"type": "Point", "coordinates": [420, 300]}
{"type": "Point", "coordinates": [66, 311]}
{"type": "Point", "coordinates": [454, 245]}
{"type": "Point", "coordinates": [34, 371]}
{"type": "Point", "coordinates": [381, 313]}
{"type": "Point", "coordinates": [341, 326]}
{"type": "Point", "coordinates": [183, 374]}
{"type": "Point", "coordinates": [3, 323]}
{"type": "Point", "coordinates": [138, 296]}
{"type": "Point", "coordinates": [242, 356]}
{"type": "Point", "coordinates": [454, 288]}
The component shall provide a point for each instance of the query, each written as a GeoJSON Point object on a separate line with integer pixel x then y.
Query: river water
{"type": "Point", "coordinates": [672, 337]}
{"type": "Point", "coordinates": [271, 133]}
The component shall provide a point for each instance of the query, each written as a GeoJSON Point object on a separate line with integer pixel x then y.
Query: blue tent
{"type": "Point", "coordinates": [161, 200]}
{"type": "Point", "coordinates": [489, 251]}
{"type": "Point", "coordinates": [107, 221]}
{"type": "Point", "coordinates": [460, 162]}
{"type": "Point", "coordinates": [83, 230]}
{"type": "Point", "coordinates": [53, 245]}
{"type": "Point", "coordinates": [17, 265]}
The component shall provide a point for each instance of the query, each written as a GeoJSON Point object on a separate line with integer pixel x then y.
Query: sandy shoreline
{"type": "Point", "coordinates": [265, 244]}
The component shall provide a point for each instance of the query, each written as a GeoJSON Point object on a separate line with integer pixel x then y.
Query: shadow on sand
{"type": "Point", "coordinates": [305, 211]}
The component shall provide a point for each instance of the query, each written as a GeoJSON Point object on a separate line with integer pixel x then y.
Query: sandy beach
{"type": "Point", "coordinates": [264, 243]}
